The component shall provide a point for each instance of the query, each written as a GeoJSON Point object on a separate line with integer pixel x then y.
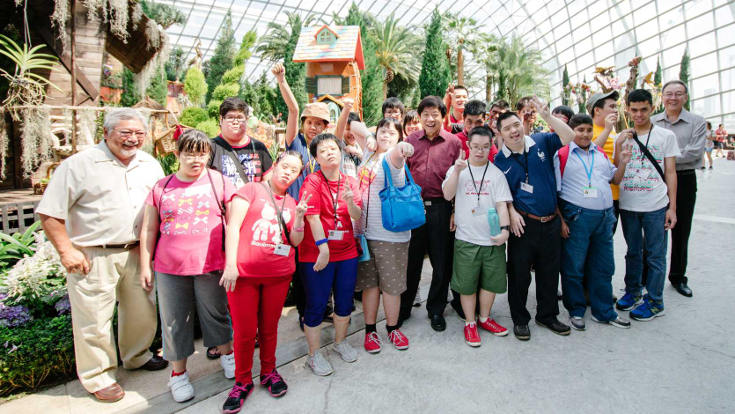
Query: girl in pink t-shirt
{"type": "Point", "coordinates": [182, 233]}
{"type": "Point", "coordinates": [264, 229]}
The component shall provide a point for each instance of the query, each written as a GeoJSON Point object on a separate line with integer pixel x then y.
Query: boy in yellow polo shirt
{"type": "Point", "coordinates": [603, 108]}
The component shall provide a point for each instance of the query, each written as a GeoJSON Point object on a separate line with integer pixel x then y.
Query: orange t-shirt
{"type": "Point", "coordinates": [609, 148]}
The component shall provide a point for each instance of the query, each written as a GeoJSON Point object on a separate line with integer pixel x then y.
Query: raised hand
{"type": "Point", "coordinates": [303, 205]}
{"type": "Point", "coordinates": [461, 163]}
{"type": "Point", "coordinates": [541, 107]}
{"type": "Point", "coordinates": [611, 120]}
{"type": "Point", "coordinates": [627, 153]}
{"type": "Point", "coordinates": [348, 104]}
{"type": "Point", "coordinates": [405, 149]}
{"type": "Point", "coordinates": [279, 72]}
{"type": "Point", "coordinates": [348, 196]}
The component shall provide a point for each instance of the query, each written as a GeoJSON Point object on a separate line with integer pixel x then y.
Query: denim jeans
{"type": "Point", "coordinates": [650, 224]}
{"type": "Point", "coordinates": [588, 252]}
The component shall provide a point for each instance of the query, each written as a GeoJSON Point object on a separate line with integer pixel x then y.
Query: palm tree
{"type": "Point", "coordinates": [516, 70]}
{"type": "Point", "coordinates": [398, 49]}
{"type": "Point", "coordinates": [485, 53]}
{"type": "Point", "coordinates": [280, 39]}
{"type": "Point", "coordinates": [463, 35]}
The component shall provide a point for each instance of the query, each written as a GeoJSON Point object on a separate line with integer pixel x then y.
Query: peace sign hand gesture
{"type": "Point", "coordinates": [303, 205]}
{"type": "Point", "coordinates": [461, 163]}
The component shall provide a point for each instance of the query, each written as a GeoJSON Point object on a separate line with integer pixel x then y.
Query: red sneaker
{"type": "Point", "coordinates": [372, 343]}
{"type": "Point", "coordinates": [493, 327]}
{"type": "Point", "coordinates": [471, 336]}
{"type": "Point", "coordinates": [398, 339]}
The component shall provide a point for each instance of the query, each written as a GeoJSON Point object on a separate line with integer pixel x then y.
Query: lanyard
{"type": "Point", "coordinates": [584, 164]}
{"type": "Point", "coordinates": [517, 157]}
{"type": "Point", "coordinates": [279, 212]}
{"type": "Point", "coordinates": [312, 164]}
{"type": "Point", "coordinates": [335, 197]}
{"type": "Point", "coordinates": [482, 180]}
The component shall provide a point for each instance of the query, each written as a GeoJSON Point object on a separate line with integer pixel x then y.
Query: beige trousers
{"type": "Point", "coordinates": [113, 277]}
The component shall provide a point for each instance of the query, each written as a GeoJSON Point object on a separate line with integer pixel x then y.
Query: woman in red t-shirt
{"type": "Point", "coordinates": [328, 255]}
{"type": "Point", "coordinates": [264, 227]}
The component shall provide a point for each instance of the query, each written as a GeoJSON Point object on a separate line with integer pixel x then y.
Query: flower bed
{"type": "Point", "coordinates": [36, 343]}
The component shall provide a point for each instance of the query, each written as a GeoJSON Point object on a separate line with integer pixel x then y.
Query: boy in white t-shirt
{"type": "Point", "coordinates": [479, 258]}
{"type": "Point", "coordinates": [647, 206]}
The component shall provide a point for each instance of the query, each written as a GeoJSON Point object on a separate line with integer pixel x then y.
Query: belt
{"type": "Point", "coordinates": [125, 246]}
{"type": "Point", "coordinates": [437, 200]}
{"type": "Point", "coordinates": [542, 219]}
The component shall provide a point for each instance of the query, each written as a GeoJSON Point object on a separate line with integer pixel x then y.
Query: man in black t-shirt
{"type": "Point", "coordinates": [236, 155]}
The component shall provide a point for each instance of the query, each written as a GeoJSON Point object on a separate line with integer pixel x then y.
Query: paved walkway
{"type": "Point", "coordinates": [680, 363]}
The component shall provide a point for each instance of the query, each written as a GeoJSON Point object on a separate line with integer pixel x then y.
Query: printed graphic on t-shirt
{"type": "Point", "coordinates": [187, 212]}
{"type": "Point", "coordinates": [470, 189]}
{"type": "Point", "coordinates": [251, 164]}
{"type": "Point", "coordinates": [366, 175]}
{"type": "Point", "coordinates": [266, 231]}
{"type": "Point", "coordinates": [640, 174]}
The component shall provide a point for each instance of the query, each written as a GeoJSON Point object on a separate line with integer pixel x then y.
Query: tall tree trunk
{"type": "Point", "coordinates": [460, 66]}
{"type": "Point", "coordinates": [488, 88]}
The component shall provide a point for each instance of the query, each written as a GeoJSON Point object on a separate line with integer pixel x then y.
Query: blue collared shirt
{"type": "Point", "coordinates": [538, 162]}
{"type": "Point", "coordinates": [575, 179]}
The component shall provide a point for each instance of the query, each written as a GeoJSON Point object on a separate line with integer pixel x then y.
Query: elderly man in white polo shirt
{"type": "Point", "coordinates": [91, 212]}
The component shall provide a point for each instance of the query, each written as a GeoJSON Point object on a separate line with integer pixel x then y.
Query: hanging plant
{"type": "Point", "coordinates": [35, 138]}
{"type": "Point", "coordinates": [25, 86]}
{"type": "Point", "coordinates": [114, 12]}
{"type": "Point", "coordinates": [3, 144]}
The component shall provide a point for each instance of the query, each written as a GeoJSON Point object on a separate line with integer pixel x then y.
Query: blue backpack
{"type": "Point", "coordinates": [402, 208]}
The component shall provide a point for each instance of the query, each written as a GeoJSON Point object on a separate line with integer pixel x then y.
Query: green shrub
{"type": "Point", "coordinates": [213, 108]}
{"type": "Point", "coordinates": [36, 353]}
{"type": "Point", "coordinates": [209, 127]}
{"type": "Point", "coordinates": [195, 86]}
{"type": "Point", "coordinates": [192, 116]}
{"type": "Point", "coordinates": [233, 75]}
{"type": "Point", "coordinates": [225, 90]}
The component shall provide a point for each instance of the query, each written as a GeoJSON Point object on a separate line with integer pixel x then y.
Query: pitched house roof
{"type": "Point", "coordinates": [346, 48]}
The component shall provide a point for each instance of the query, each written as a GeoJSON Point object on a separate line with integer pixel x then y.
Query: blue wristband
{"type": "Point", "coordinates": [320, 242]}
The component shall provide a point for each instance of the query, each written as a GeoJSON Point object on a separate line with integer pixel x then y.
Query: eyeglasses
{"type": "Point", "coordinates": [674, 94]}
{"type": "Point", "coordinates": [191, 157]}
{"type": "Point", "coordinates": [238, 119]}
{"type": "Point", "coordinates": [479, 148]}
{"type": "Point", "coordinates": [127, 133]}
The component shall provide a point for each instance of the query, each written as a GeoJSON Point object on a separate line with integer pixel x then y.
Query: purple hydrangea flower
{"type": "Point", "coordinates": [63, 306]}
{"type": "Point", "coordinates": [12, 316]}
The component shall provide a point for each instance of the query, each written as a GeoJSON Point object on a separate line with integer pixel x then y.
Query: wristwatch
{"type": "Point", "coordinates": [504, 228]}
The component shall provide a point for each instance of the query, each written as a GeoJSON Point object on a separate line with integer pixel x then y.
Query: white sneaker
{"type": "Point", "coordinates": [181, 388]}
{"type": "Point", "coordinates": [318, 364]}
{"type": "Point", "coordinates": [345, 351]}
{"type": "Point", "coordinates": [228, 365]}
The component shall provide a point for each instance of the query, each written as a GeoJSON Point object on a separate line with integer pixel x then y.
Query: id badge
{"type": "Point", "coordinates": [527, 187]}
{"type": "Point", "coordinates": [282, 250]}
{"type": "Point", "coordinates": [478, 211]}
{"type": "Point", "coordinates": [335, 235]}
{"type": "Point", "coordinates": [589, 192]}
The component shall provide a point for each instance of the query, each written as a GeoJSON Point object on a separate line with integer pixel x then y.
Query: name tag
{"type": "Point", "coordinates": [589, 192]}
{"type": "Point", "coordinates": [282, 250]}
{"type": "Point", "coordinates": [478, 211]}
{"type": "Point", "coordinates": [335, 235]}
{"type": "Point", "coordinates": [527, 187]}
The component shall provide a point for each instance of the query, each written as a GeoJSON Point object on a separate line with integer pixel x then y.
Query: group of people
{"type": "Point", "coordinates": [232, 231]}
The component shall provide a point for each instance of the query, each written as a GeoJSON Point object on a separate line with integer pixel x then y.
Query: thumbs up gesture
{"type": "Point", "coordinates": [461, 162]}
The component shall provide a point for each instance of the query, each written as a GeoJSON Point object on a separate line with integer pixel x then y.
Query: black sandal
{"type": "Point", "coordinates": [213, 353]}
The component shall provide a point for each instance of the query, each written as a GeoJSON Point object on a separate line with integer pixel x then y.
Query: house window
{"type": "Point", "coordinates": [325, 37]}
{"type": "Point", "coordinates": [331, 85]}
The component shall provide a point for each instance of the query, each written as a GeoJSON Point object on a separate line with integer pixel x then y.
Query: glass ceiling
{"type": "Point", "coordinates": [579, 33]}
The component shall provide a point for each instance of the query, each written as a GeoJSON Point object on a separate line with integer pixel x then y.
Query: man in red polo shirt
{"type": "Point", "coordinates": [435, 150]}
{"type": "Point", "coordinates": [455, 98]}
{"type": "Point", "coordinates": [474, 116]}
